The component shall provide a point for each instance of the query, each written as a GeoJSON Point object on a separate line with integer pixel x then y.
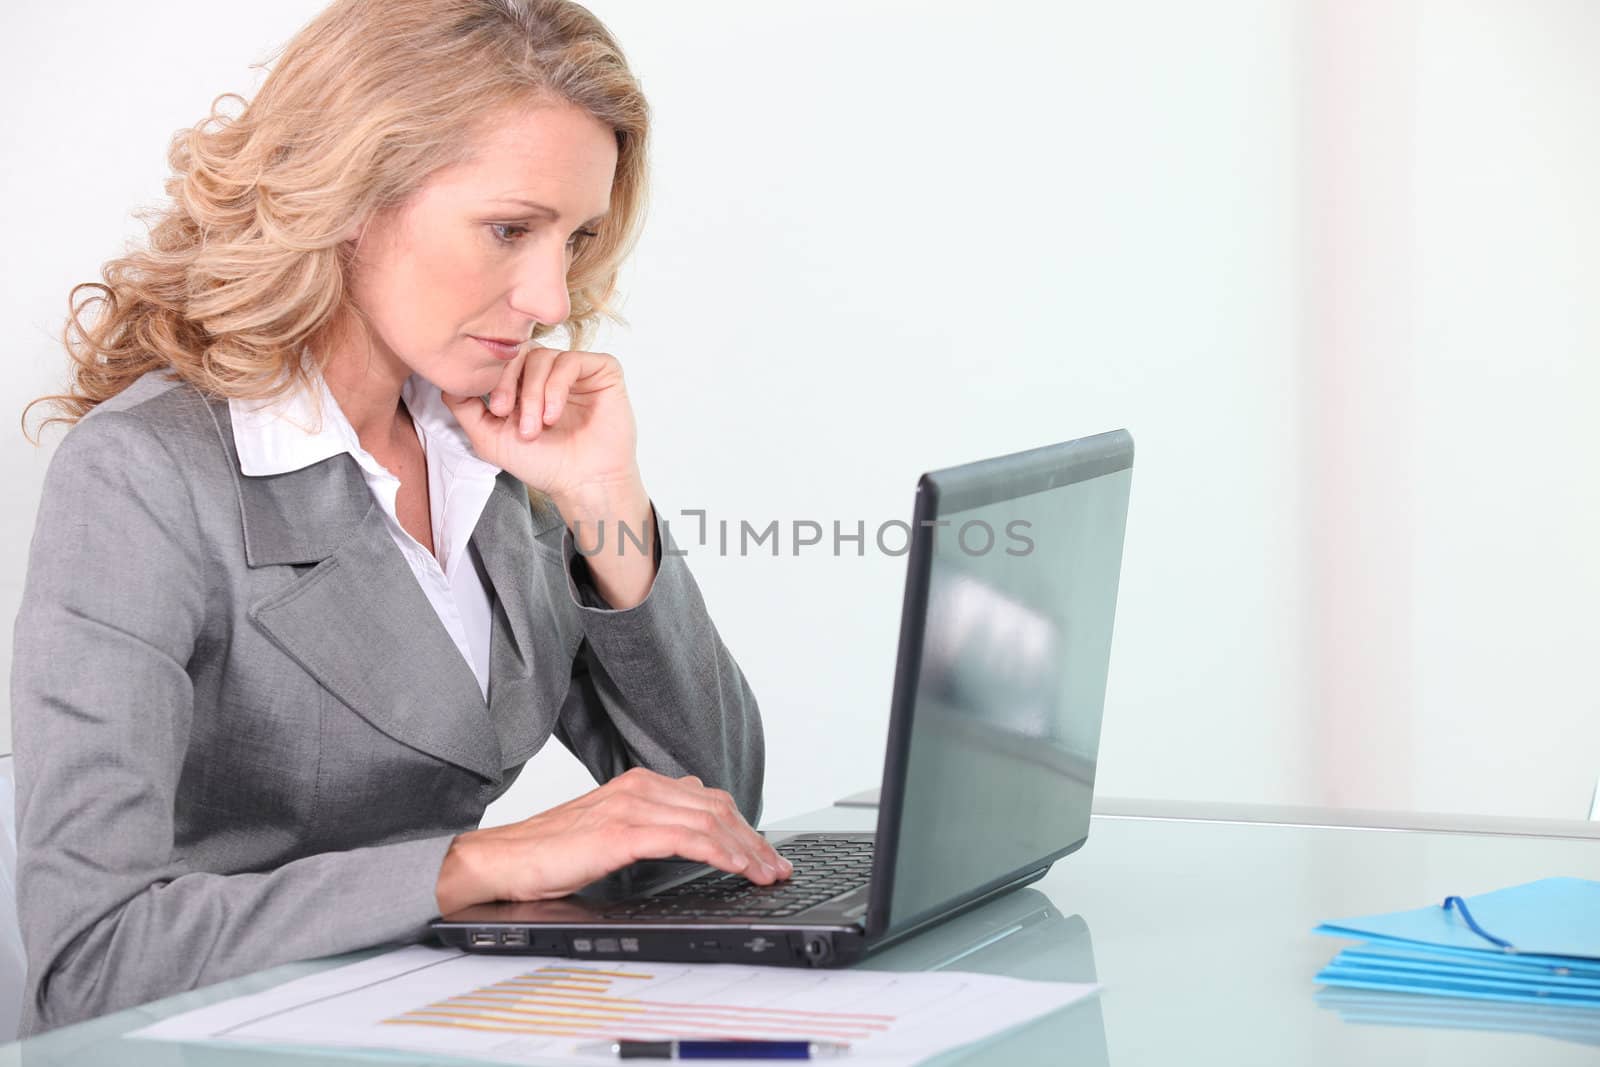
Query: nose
{"type": "Point", "coordinates": [540, 288]}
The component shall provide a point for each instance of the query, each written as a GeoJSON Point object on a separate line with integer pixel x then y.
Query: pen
{"type": "Point", "coordinates": [717, 1050]}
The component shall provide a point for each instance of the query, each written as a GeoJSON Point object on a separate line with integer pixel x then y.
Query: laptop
{"type": "Point", "coordinates": [988, 773]}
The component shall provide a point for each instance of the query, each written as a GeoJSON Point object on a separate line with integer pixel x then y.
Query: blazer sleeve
{"type": "Point", "coordinates": [114, 606]}
{"type": "Point", "coordinates": [653, 685]}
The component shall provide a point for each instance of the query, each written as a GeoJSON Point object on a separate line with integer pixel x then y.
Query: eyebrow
{"type": "Point", "coordinates": [552, 212]}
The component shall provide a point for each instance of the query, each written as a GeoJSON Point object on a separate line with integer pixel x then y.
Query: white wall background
{"type": "Point", "coordinates": [1333, 263]}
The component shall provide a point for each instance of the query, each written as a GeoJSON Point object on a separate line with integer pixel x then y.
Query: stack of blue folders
{"type": "Point", "coordinates": [1535, 943]}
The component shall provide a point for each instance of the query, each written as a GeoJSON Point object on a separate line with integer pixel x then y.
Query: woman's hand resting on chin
{"type": "Point", "coordinates": [560, 421]}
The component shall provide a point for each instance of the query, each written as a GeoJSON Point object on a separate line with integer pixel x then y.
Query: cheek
{"type": "Point", "coordinates": [447, 287]}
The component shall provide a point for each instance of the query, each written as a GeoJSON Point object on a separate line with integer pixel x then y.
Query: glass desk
{"type": "Point", "coordinates": [1195, 918]}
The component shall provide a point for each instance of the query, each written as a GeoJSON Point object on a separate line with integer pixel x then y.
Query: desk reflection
{"type": "Point", "coordinates": [1378, 1008]}
{"type": "Point", "coordinates": [1019, 935]}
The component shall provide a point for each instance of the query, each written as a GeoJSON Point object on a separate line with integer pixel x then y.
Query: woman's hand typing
{"type": "Point", "coordinates": [637, 815]}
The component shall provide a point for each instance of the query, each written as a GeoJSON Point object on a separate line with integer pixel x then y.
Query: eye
{"type": "Point", "coordinates": [496, 227]}
{"type": "Point", "coordinates": [499, 228]}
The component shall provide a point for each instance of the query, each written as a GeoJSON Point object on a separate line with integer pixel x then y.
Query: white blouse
{"type": "Point", "coordinates": [278, 436]}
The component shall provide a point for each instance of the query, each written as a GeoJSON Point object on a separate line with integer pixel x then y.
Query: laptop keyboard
{"type": "Point", "coordinates": [825, 866]}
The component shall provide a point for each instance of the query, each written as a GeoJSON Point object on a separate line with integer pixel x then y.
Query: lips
{"type": "Point", "coordinates": [504, 350]}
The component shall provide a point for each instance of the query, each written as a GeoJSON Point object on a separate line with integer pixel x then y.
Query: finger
{"type": "Point", "coordinates": [504, 395]}
{"type": "Point", "coordinates": [643, 796]}
{"type": "Point", "coordinates": [661, 840]}
{"type": "Point", "coordinates": [723, 804]}
{"type": "Point", "coordinates": [634, 808]}
{"type": "Point", "coordinates": [568, 367]}
{"type": "Point", "coordinates": [469, 412]}
{"type": "Point", "coordinates": [688, 832]}
{"type": "Point", "coordinates": [689, 792]}
{"type": "Point", "coordinates": [531, 390]}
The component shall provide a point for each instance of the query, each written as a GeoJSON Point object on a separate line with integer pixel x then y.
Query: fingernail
{"type": "Point", "coordinates": [527, 424]}
{"type": "Point", "coordinates": [497, 401]}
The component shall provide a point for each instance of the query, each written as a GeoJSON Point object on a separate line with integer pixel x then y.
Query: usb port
{"type": "Point", "coordinates": [515, 937]}
{"type": "Point", "coordinates": [484, 937]}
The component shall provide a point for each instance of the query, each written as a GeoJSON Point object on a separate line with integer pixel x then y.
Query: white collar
{"type": "Point", "coordinates": [285, 434]}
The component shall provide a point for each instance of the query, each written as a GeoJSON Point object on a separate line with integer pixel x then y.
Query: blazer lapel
{"type": "Point", "coordinates": [358, 621]}
{"type": "Point", "coordinates": [530, 666]}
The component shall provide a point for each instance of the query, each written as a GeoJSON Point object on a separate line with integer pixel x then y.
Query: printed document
{"type": "Point", "coordinates": [442, 1002]}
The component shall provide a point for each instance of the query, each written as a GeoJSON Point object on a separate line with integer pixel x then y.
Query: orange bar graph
{"type": "Point", "coordinates": [569, 1001]}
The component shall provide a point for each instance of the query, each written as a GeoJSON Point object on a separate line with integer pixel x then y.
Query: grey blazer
{"type": "Point", "coordinates": [242, 735]}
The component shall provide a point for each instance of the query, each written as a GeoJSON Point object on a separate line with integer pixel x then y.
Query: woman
{"type": "Point", "coordinates": [299, 605]}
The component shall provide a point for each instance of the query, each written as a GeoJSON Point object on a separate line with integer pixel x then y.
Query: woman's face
{"type": "Point", "coordinates": [464, 257]}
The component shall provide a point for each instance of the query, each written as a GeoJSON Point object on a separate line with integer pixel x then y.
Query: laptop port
{"type": "Point", "coordinates": [517, 938]}
{"type": "Point", "coordinates": [484, 937]}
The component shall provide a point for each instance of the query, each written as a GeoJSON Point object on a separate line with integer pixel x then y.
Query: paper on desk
{"type": "Point", "coordinates": [537, 1009]}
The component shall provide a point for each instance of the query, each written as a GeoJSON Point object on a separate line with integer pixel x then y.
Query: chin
{"type": "Point", "coordinates": [464, 381]}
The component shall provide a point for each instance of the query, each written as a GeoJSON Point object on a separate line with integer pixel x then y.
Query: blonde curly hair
{"type": "Point", "coordinates": [245, 267]}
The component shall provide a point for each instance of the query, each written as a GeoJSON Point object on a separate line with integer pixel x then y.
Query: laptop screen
{"type": "Point", "coordinates": [1022, 556]}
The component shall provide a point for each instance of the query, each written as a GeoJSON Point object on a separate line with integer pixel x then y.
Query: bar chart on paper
{"type": "Point", "coordinates": [533, 1009]}
{"type": "Point", "coordinates": [637, 1002]}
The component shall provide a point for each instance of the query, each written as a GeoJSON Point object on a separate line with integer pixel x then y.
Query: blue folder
{"type": "Point", "coordinates": [1550, 917]}
{"type": "Point", "coordinates": [1454, 964]}
{"type": "Point", "coordinates": [1533, 943]}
